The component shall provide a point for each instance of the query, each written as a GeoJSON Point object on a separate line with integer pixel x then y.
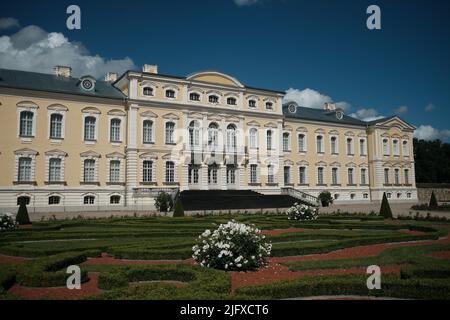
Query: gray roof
{"type": "Point", "coordinates": [321, 115]}
{"type": "Point", "coordinates": [380, 120]}
{"type": "Point", "coordinates": [51, 83]}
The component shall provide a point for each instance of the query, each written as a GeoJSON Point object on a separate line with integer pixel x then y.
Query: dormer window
{"type": "Point", "coordinates": [231, 101]}
{"type": "Point", "coordinates": [292, 108]}
{"type": "Point", "coordinates": [269, 105]}
{"type": "Point", "coordinates": [170, 94]}
{"type": "Point", "coordinates": [148, 91]}
{"type": "Point", "coordinates": [213, 99]}
{"type": "Point", "coordinates": [339, 115]}
{"type": "Point", "coordinates": [194, 96]}
{"type": "Point", "coordinates": [252, 103]}
{"type": "Point", "coordinates": [87, 83]}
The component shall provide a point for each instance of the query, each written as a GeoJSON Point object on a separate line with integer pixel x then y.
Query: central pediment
{"type": "Point", "coordinates": [216, 78]}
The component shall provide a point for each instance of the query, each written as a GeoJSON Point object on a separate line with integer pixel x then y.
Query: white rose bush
{"type": "Point", "coordinates": [233, 247]}
{"type": "Point", "coordinates": [7, 222]}
{"type": "Point", "coordinates": [302, 212]}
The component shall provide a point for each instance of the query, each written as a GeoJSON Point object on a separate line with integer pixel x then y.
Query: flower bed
{"type": "Point", "coordinates": [302, 212]}
{"type": "Point", "coordinates": [232, 246]}
{"type": "Point", "coordinates": [7, 222]}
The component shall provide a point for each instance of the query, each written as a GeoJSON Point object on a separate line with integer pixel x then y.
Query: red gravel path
{"type": "Point", "coordinates": [440, 254]}
{"type": "Point", "coordinates": [87, 289]}
{"type": "Point", "coordinates": [277, 232]}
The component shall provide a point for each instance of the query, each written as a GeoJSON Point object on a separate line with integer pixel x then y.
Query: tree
{"type": "Point", "coordinates": [385, 210]}
{"type": "Point", "coordinates": [178, 210]}
{"type": "Point", "coordinates": [325, 198]}
{"type": "Point", "coordinates": [164, 202]}
{"type": "Point", "coordinates": [432, 161]}
{"type": "Point", "coordinates": [433, 201]}
{"type": "Point", "coordinates": [22, 217]}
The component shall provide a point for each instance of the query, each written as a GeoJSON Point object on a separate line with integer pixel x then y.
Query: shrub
{"type": "Point", "coordinates": [22, 215]}
{"type": "Point", "coordinates": [7, 222]}
{"type": "Point", "coordinates": [325, 198]}
{"type": "Point", "coordinates": [232, 246]}
{"type": "Point", "coordinates": [302, 212]}
{"type": "Point", "coordinates": [178, 210]}
{"type": "Point", "coordinates": [164, 202]}
{"type": "Point", "coordinates": [385, 210]}
{"type": "Point", "coordinates": [433, 201]}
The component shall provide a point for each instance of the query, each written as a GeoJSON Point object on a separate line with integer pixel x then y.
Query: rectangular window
{"type": "Point", "coordinates": [212, 175]}
{"type": "Point", "coordinates": [24, 173]}
{"type": "Point", "coordinates": [363, 176]}
{"type": "Point", "coordinates": [350, 175]}
{"type": "Point", "coordinates": [362, 147]}
{"type": "Point", "coordinates": [253, 138]}
{"type": "Point", "coordinates": [301, 143]}
{"type": "Point", "coordinates": [319, 144]}
{"type": "Point", "coordinates": [405, 149]}
{"type": "Point", "coordinates": [350, 146]}
{"type": "Point", "coordinates": [89, 128]}
{"type": "Point", "coordinates": [147, 131]}
{"type": "Point", "coordinates": [253, 173]}
{"type": "Point", "coordinates": [269, 140]}
{"type": "Point", "coordinates": [147, 171]}
{"type": "Point", "coordinates": [396, 147]}
{"type": "Point", "coordinates": [386, 175]}
{"type": "Point", "coordinates": [406, 176]}
{"type": "Point", "coordinates": [54, 170]}
{"type": "Point", "coordinates": [385, 147]}
{"type": "Point", "coordinates": [114, 171]}
{"type": "Point", "coordinates": [334, 145]}
{"type": "Point", "coordinates": [193, 175]}
{"type": "Point", "coordinates": [115, 130]}
{"type": "Point", "coordinates": [26, 124]}
{"type": "Point", "coordinates": [89, 170]}
{"type": "Point", "coordinates": [170, 133]}
{"type": "Point", "coordinates": [397, 176]}
{"type": "Point", "coordinates": [56, 126]}
{"type": "Point", "coordinates": [302, 175]}
{"type": "Point", "coordinates": [231, 175]}
{"type": "Point", "coordinates": [334, 176]}
{"type": "Point", "coordinates": [286, 142]}
{"type": "Point", "coordinates": [170, 171]}
{"type": "Point", "coordinates": [270, 174]}
{"type": "Point", "coordinates": [287, 175]}
{"type": "Point", "coordinates": [320, 176]}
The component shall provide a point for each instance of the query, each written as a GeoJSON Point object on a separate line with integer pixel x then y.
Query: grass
{"type": "Point", "coordinates": [57, 244]}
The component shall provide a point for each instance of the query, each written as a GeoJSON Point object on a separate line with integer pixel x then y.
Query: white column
{"type": "Point", "coordinates": [131, 153]}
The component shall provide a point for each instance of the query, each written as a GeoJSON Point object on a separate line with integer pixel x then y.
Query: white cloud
{"type": "Point", "coordinates": [368, 114]}
{"type": "Point", "coordinates": [401, 110]}
{"type": "Point", "coordinates": [430, 107]}
{"type": "Point", "coordinates": [242, 3]}
{"type": "Point", "coordinates": [8, 23]}
{"type": "Point", "coordinates": [427, 132]}
{"type": "Point", "coordinates": [310, 98]}
{"type": "Point", "coordinates": [34, 49]}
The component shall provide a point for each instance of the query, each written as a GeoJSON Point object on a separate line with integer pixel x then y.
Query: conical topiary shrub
{"type": "Point", "coordinates": [385, 210]}
{"type": "Point", "coordinates": [22, 217]}
{"type": "Point", "coordinates": [178, 209]}
{"type": "Point", "coordinates": [433, 201]}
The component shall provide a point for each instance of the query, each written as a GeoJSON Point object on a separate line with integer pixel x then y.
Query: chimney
{"type": "Point", "coordinates": [111, 77]}
{"type": "Point", "coordinates": [329, 106]}
{"type": "Point", "coordinates": [150, 68]}
{"type": "Point", "coordinates": [62, 71]}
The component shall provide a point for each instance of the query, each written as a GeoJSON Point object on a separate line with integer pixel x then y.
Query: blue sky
{"type": "Point", "coordinates": [321, 45]}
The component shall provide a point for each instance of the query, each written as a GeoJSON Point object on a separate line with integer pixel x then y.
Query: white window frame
{"type": "Point", "coordinates": [306, 175]}
{"type": "Point", "coordinates": [253, 143]}
{"type": "Point", "coordinates": [386, 148]}
{"type": "Point", "coordinates": [322, 149]}
{"type": "Point", "coordinates": [305, 144]}
{"type": "Point", "coordinates": [396, 147]}
{"type": "Point", "coordinates": [25, 154]}
{"type": "Point", "coordinates": [288, 142]}
{"type": "Point", "coordinates": [152, 136]}
{"type": "Point", "coordinates": [363, 147]}
{"type": "Point", "coordinates": [336, 144]}
{"type": "Point", "coordinates": [253, 175]}
{"type": "Point", "coordinates": [334, 179]}
{"type": "Point", "coordinates": [166, 141]}
{"type": "Point", "coordinates": [110, 120]}
{"type": "Point", "coordinates": [350, 148]}
{"type": "Point", "coordinates": [33, 108]}
{"type": "Point", "coordinates": [405, 145]}
{"type": "Point", "coordinates": [83, 133]}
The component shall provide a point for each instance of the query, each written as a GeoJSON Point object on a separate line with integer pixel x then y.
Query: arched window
{"type": "Point", "coordinates": [231, 137]}
{"type": "Point", "coordinates": [115, 130]}
{"type": "Point", "coordinates": [319, 140]}
{"type": "Point", "coordinates": [213, 135]}
{"type": "Point", "coordinates": [362, 147]}
{"type": "Point", "coordinates": [386, 175]}
{"type": "Point", "coordinates": [170, 94]}
{"type": "Point", "coordinates": [54, 170]}
{"type": "Point", "coordinates": [89, 170]}
{"type": "Point", "coordinates": [194, 96]}
{"type": "Point", "coordinates": [26, 124]}
{"type": "Point", "coordinates": [147, 131]}
{"type": "Point", "coordinates": [114, 200]}
{"type": "Point", "coordinates": [301, 143]}
{"type": "Point", "coordinates": [270, 173]}
{"type": "Point", "coordinates": [333, 145]}
{"type": "Point", "coordinates": [54, 200]}
{"type": "Point", "coordinates": [89, 200]}
{"type": "Point", "coordinates": [269, 136]}
{"type": "Point", "coordinates": [170, 133]}
{"type": "Point", "coordinates": [286, 144]}
{"type": "Point", "coordinates": [253, 138]}
{"type": "Point", "coordinates": [349, 146]}
{"type": "Point", "coordinates": [269, 105]}
{"type": "Point", "coordinates": [194, 134]}
{"type": "Point", "coordinates": [56, 126]}
{"type": "Point", "coordinates": [24, 173]}
{"type": "Point", "coordinates": [396, 147]}
{"type": "Point", "coordinates": [252, 103]}
{"type": "Point", "coordinates": [385, 147]}
{"type": "Point", "coordinates": [213, 99]}
{"type": "Point", "coordinates": [405, 149]}
{"type": "Point", "coordinates": [212, 174]}
{"type": "Point", "coordinates": [148, 91]}
{"type": "Point", "coordinates": [89, 128]}
{"type": "Point", "coordinates": [231, 101]}
{"type": "Point", "coordinates": [147, 171]}
{"type": "Point", "coordinates": [170, 171]}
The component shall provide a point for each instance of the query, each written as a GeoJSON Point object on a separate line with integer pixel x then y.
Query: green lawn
{"type": "Point", "coordinates": [61, 243]}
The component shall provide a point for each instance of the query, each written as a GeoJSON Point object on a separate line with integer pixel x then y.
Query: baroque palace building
{"type": "Point", "coordinates": [80, 144]}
